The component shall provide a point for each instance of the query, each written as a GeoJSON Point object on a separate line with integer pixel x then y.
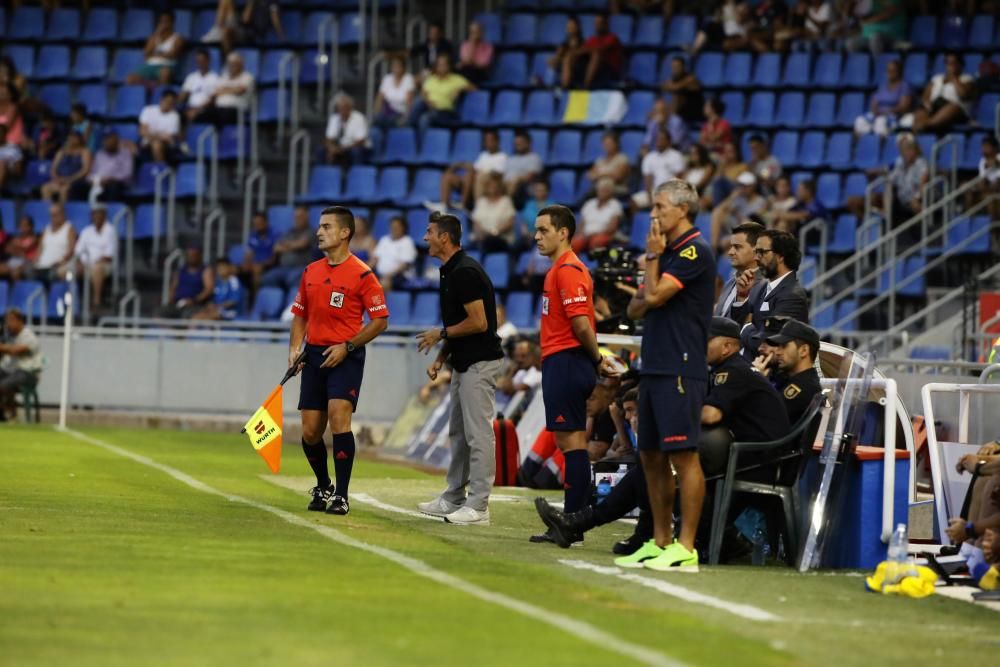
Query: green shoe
{"type": "Point", "coordinates": [646, 552]}
{"type": "Point", "coordinates": [674, 558]}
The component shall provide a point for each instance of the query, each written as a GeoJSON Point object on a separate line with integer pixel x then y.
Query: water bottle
{"type": "Point", "coordinates": [603, 489]}
{"type": "Point", "coordinates": [761, 546]}
{"type": "Point", "coordinates": [897, 559]}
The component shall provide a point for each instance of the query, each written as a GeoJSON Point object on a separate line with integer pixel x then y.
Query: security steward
{"type": "Point", "coordinates": [740, 400]}
{"type": "Point", "coordinates": [764, 356]}
{"type": "Point", "coordinates": [799, 345]}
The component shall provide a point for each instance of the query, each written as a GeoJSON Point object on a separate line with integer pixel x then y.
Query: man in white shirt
{"type": "Point", "coordinates": [233, 93]}
{"type": "Point", "coordinates": [95, 252]}
{"type": "Point", "coordinates": [659, 166]}
{"type": "Point", "coordinates": [199, 86]}
{"type": "Point", "coordinates": [525, 374]}
{"type": "Point", "coordinates": [470, 178]}
{"type": "Point", "coordinates": [20, 358]}
{"type": "Point", "coordinates": [394, 255]}
{"type": "Point", "coordinates": [523, 166]}
{"type": "Point", "coordinates": [346, 133]}
{"type": "Point", "coordinates": [599, 219]}
{"type": "Point", "coordinates": [160, 128]}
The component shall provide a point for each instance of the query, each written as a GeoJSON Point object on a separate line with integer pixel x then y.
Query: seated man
{"type": "Point", "coordinates": [799, 345]}
{"type": "Point", "coordinates": [294, 250]}
{"type": "Point", "coordinates": [95, 252]}
{"type": "Point", "coordinates": [346, 133]}
{"type": "Point", "coordinates": [599, 62]}
{"type": "Point", "coordinates": [199, 86]}
{"type": "Point", "coordinates": [110, 172]}
{"type": "Point", "coordinates": [232, 93]}
{"type": "Point", "coordinates": [778, 257]}
{"type": "Point", "coordinates": [191, 287]}
{"type": "Point", "coordinates": [806, 209]}
{"type": "Point", "coordinates": [470, 179]}
{"type": "Point", "coordinates": [259, 254]}
{"type": "Point", "coordinates": [227, 295]}
{"type": "Point", "coordinates": [20, 358]}
{"type": "Point", "coordinates": [525, 374]}
{"type": "Point", "coordinates": [601, 428]}
{"type": "Point", "coordinates": [394, 255]}
{"type": "Point", "coordinates": [983, 520]}
{"type": "Point", "coordinates": [600, 218]}
{"type": "Point", "coordinates": [160, 129]}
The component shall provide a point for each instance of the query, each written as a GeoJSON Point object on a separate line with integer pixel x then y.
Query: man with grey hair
{"type": "Point", "coordinates": [676, 302]}
{"type": "Point", "coordinates": [20, 358]}
{"type": "Point", "coordinates": [346, 133]}
{"type": "Point", "coordinates": [232, 94]}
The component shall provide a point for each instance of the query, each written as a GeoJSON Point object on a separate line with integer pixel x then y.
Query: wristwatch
{"type": "Point", "coordinates": [979, 466]}
{"type": "Point", "coordinates": [350, 347]}
{"type": "Point", "coordinates": [444, 333]}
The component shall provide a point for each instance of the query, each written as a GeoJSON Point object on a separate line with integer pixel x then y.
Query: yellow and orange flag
{"type": "Point", "coordinates": [264, 430]}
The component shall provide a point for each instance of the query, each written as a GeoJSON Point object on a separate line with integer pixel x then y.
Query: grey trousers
{"type": "Point", "coordinates": [470, 429]}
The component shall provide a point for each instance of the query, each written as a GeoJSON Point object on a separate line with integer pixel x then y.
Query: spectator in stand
{"type": "Point", "coordinates": [700, 168]}
{"type": "Point", "coordinates": [686, 90]}
{"type": "Point", "coordinates": [908, 177]}
{"type": "Point", "coordinates": [763, 164]}
{"type": "Point", "coordinates": [110, 173]}
{"type": "Point", "coordinates": [662, 115]}
{"type": "Point", "coordinates": [395, 95]}
{"type": "Point", "coordinates": [493, 217]}
{"type": "Point", "coordinates": [571, 44]}
{"type": "Point", "coordinates": [232, 93]}
{"type": "Point", "coordinates": [227, 294]}
{"type": "Point", "coordinates": [525, 374]}
{"type": "Point", "coordinates": [362, 244]}
{"type": "Point", "coordinates": [248, 27]}
{"type": "Point", "coordinates": [659, 166]}
{"type": "Point", "coordinates": [57, 246]}
{"type": "Point", "coordinates": [11, 158]}
{"type": "Point", "coordinates": [10, 75]}
{"type": "Point", "coordinates": [471, 178]}
{"type": "Point", "coordinates": [395, 255]}
{"type": "Point", "coordinates": [523, 166]}
{"type": "Point", "coordinates": [815, 18]}
{"type": "Point", "coordinates": [20, 358]}
{"type": "Point", "coordinates": [161, 51]}
{"type": "Point", "coordinates": [46, 140]}
{"type": "Point", "coordinates": [259, 255]}
{"type": "Point", "coordinates": [768, 18]}
{"type": "Point", "coordinates": [10, 114]}
{"type": "Point", "coordinates": [779, 293]}
{"type": "Point", "coordinates": [744, 201]}
{"type": "Point", "coordinates": [22, 249]}
{"type": "Point", "coordinates": [729, 29]}
{"type": "Point", "coordinates": [716, 131]}
{"type": "Point", "coordinates": [425, 56]}
{"type": "Point", "coordinates": [539, 199]}
{"type": "Point", "coordinates": [505, 328]}
{"type": "Point", "coordinates": [79, 122]}
{"type": "Point", "coordinates": [69, 170]}
{"type": "Point", "coordinates": [160, 130]}
{"type": "Point", "coordinates": [475, 57]}
{"type": "Point", "coordinates": [191, 287]}
{"type": "Point", "coordinates": [439, 96]}
{"type": "Point", "coordinates": [947, 98]}
{"type": "Point", "coordinates": [729, 169]}
{"type": "Point", "coordinates": [989, 170]}
{"type": "Point", "coordinates": [95, 252]}
{"type": "Point", "coordinates": [781, 201]}
{"type": "Point", "coordinates": [346, 133]}
{"type": "Point", "coordinates": [199, 86]}
{"type": "Point", "coordinates": [598, 63]}
{"type": "Point", "coordinates": [806, 209]}
{"type": "Point", "coordinates": [294, 250]}
{"type": "Point", "coordinates": [882, 26]}
{"type": "Point", "coordinates": [892, 100]}
{"type": "Point", "coordinates": [600, 218]}
{"type": "Point", "coordinates": [613, 165]}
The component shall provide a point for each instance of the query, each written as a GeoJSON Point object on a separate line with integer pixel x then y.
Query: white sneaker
{"type": "Point", "coordinates": [438, 507]}
{"type": "Point", "coordinates": [465, 515]}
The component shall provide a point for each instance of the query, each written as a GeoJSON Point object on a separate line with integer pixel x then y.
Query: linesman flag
{"type": "Point", "coordinates": [264, 428]}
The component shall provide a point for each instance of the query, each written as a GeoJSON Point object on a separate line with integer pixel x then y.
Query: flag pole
{"type": "Point", "coordinates": [289, 374]}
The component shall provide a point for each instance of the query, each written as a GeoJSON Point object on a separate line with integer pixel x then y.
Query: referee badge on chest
{"type": "Point", "coordinates": [545, 305]}
{"type": "Point", "coordinates": [337, 299]}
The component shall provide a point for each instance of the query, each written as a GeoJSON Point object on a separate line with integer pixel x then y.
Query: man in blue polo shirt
{"type": "Point", "coordinates": [676, 302]}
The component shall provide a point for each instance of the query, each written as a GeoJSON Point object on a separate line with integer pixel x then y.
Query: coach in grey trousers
{"type": "Point", "coordinates": [472, 347]}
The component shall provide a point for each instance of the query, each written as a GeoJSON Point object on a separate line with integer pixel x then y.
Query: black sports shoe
{"type": "Point", "coordinates": [564, 529]}
{"type": "Point", "coordinates": [629, 545]}
{"type": "Point", "coordinates": [338, 505]}
{"type": "Point", "coordinates": [320, 497]}
{"type": "Point", "coordinates": [543, 538]}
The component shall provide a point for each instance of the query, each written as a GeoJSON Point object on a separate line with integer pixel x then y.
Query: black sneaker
{"type": "Point", "coordinates": [320, 497]}
{"type": "Point", "coordinates": [338, 505]}
{"type": "Point", "coordinates": [543, 538]}
{"type": "Point", "coordinates": [629, 545]}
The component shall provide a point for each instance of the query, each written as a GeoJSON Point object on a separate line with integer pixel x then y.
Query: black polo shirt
{"type": "Point", "coordinates": [463, 281]}
{"type": "Point", "coordinates": [797, 392]}
{"type": "Point", "coordinates": [751, 408]}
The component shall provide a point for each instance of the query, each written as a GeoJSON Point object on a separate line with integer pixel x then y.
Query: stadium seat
{"type": "Point", "coordinates": [857, 71]}
{"type": "Point", "coordinates": [190, 181]}
{"type": "Point", "coordinates": [737, 73]}
{"type": "Point", "coordinates": [954, 33]}
{"type": "Point", "coordinates": [785, 147]}
{"type": "Point", "coordinates": [324, 185]}
{"type": "Point", "coordinates": [969, 237]}
{"type": "Point", "coordinates": [682, 31]}
{"type": "Point", "coordinates": [497, 266]}
{"type": "Point", "coordinates": [64, 25]}
{"type": "Point", "coordinates": [586, 20]}
{"type": "Point", "coordinates": [986, 116]}
{"type": "Point", "coordinates": [791, 107]}
{"type": "Point", "coordinates": [56, 97]}
{"type": "Point", "coordinates": [930, 352]}
{"type": "Point", "coordinates": [642, 69]}
{"type": "Point", "coordinates": [562, 185]}
{"type": "Point", "coordinates": [592, 148]}
{"type": "Point", "coordinates": [184, 22]}
{"type": "Point", "coordinates": [91, 64]}
{"type": "Point", "coordinates": [399, 308]}
{"type": "Point", "coordinates": [855, 184]}
{"type": "Point", "coordinates": [631, 142]}
{"type": "Point", "coordinates": [78, 214]}
{"type": "Point", "coordinates": [647, 32]}
{"type": "Point", "coordinates": [392, 185]}
{"type": "Point", "coordinates": [291, 25]}
{"type": "Point", "coordinates": [905, 270]}
{"type": "Point", "coordinates": [640, 229]}
{"type": "Point", "coordinates": [851, 106]}
{"type": "Point", "coordinates": [981, 35]}
{"type": "Point", "coordinates": [435, 147]}
{"type": "Point", "coordinates": [866, 152]}
{"type": "Point", "coordinates": [797, 71]}
{"type": "Point", "coordinates": [26, 24]}
{"type": "Point", "coordinates": [640, 102]}
{"type": "Point", "coordinates": [552, 29]}
{"type": "Point", "coordinates": [4, 295]}
{"type": "Point", "coordinates": [915, 70]}
{"type": "Point", "coordinates": [540, 109]}
{"type": "Point", "coordinates": [279, 219]}
{"type": "Point", "coordinates": [25, 290]}
{"type": "Point", "coordinates": [229, 141]}
{"type": "Point", "coordinates": [844, 237]}
{"type": "Point", "coordinates": [52, 63]}
{"type": "Point", "coordinates": [23, 56]}
{"type": "Point", "coordinates": [270, 67]}
{"type": "Point", "coordinates": [380, 223]}
{"type": "Point", "coordinates": [269, 105]}
{"type": "Point", "coordinates": [125, 62]}
{"type": "Point", "coordinates": [540, 70]}
{"type": "Point", "coordinates": [510, 70]}
{"type": "Point", "coordinates": [401, 145]}
{"type": "Point", "coordinates": [36, 173]}
{"type": "Point", "coordinates": [506, 109]}
{"type": "Point", "coordinates": [521, 309]}
{"type": "Point", "coordinates": [426, 310]}
{"type": "Point", "coordinates": [540, 142]}
{"type": "Point", "coordinates": [622, 25]}
{"type": "Point", "coordinates": [709, 69]}
{"type": "Point", "coordinates": [360, 186]}
{"type": "Point", "coordinates": [838, 150]}
{"type": "Point", "coordinates": [820, 111]}
{"type": "Point", "coordinates": [251, 61]}
{"type": "Point", "coordinates": [828, 190]}
{"type": "Point", "coordinates": [426, 187]}
{"type": "Point", "coordinates": [521, 30]}
{"type": "Point", "coordinates": [492, 26]}
{"type": "Point", "coordinates": [923, 32]}
{"type": "Point", "coordinates": [416, 220]}
{"type": "Point", "coordinates": [828, 70]}
{"type": "Point", "coordinates": [734, 108]}
{"type": "Point", "coordinates": [349, 27]}
{"type": "Point", "coordinates": [137, 25]}
{"type": "Point", "coordinates": [760, 112]}
{"type": "Point", "coordinates": [812, 150]}
{"type": "Point", "coordinates": [268, 305]}
{"type": "Point", "coordinates": [566, 149]}
{"type": "Point", "coordinates": [8, 218]}
{"type": "Point", "coordinates": [767, 71]}
{"type": "Point", "coordinates": [973, 152]}
{"type": "Point", "coordinates": [475, 108]}
{"type": "Point", "coordinates": [467, 146]}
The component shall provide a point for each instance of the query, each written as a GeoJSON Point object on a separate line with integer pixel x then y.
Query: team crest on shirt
{"type": "Point", "coordinates": [791, 391]}
{"type": "Point", "coordinates": [337, 299]}
{"type": "Point", "coordinates": [689, 253]}
{"type": "Point", "coordinates": [545, 305]}
{"type": "Point", "coordinates": [720, 378]}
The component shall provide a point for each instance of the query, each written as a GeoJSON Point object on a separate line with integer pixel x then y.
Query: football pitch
{"type": "Point", "coordinates": [176, 548]}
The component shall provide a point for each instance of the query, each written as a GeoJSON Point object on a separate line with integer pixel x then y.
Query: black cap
{"type": "Point", "coordinates": [772, 325]}
{"type": "Point", "coordinates": [723, 326]}
{"type": "Point", "coordinates": [795, 330]}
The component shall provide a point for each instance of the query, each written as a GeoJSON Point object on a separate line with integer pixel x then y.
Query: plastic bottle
{"type": "Point", "coordinates": [761, 546]}
{"type": "Point", "coordinates": [897, 559]}
{"type": "Point", "coordinates": [603, 489]}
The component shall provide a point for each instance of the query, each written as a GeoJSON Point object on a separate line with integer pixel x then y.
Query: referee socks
{"type": "Point", "coordinates": [316, 455]}
{"type": "Point", "coordinates": [577, 480]}
{"type": "Point", "coordinates": [343, 460]}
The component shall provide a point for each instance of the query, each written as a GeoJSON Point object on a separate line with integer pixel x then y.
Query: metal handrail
{"type": "Point", "coordinates": [374, 29]}
{"type": "Point", "coordinates": [158, 208]}
{"type": "Point", "coordinates": [925, 199]}
{"type": "Point", "coordinates": [132, 298]}
{"type": "Point", "coordinates": [449, 19]}
{"type": "Point", "coordinates": [215, 215]}
{"type": "Point", "coordinates": [288, 69]}
{"type": "Point", "coordinates": [259, 177]}
{"type": "Point", "coordinates": [332, 60]}
{"type": "Point", "coordinates": [174, 257]}
{"type": "Point", "coordinates": [299, 138]}
{"type": "Point", "coordinates": [129, 216]}
{"type": "Point", "coordinates": [250, 120]}
{"type": "Point", "coordinates": [85, 306]}
{"type": "Point", "coordinates": [210, 136]}
{"type": "Point", "coordinates": [37, 294]}
{"type": "Point", "coordinates": [370, 78]}
{"type": "Point", "coordinates": [415, 22]}
{"type": "Point", "coordinates": [820, 225]}
{"type": "Point", "coordinates": [363, 32]}
{"type": "Point", "coordinates": [947, 140]}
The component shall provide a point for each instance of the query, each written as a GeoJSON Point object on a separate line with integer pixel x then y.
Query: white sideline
{"type": "Point", "coordinates": [744, 610]}
{"type": "Point", "coordinates": [579, 629]}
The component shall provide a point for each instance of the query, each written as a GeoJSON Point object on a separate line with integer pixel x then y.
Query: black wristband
{"type": "Point", "coordinates": [444, 333]}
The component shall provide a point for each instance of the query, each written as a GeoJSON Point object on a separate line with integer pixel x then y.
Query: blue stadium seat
{"type": "Point", "coordinates": [270, 66]}
{"type": "Point", "coordinates": [734, 102]}
{"type": "Point", "coordinates": [8, 217]}
{"type": "Point", "coordinates": [435, 146]}
{"type": "Point", "coordinates": [846, 315]}
{"type": "Point", "coordinates": [506, 108]}
{"type": "Point", "coordinates": [642, 68]}
{"type": "Point", "coordinates": [268, 305]}
{"type": "Point", "coordinates": [191, 180]}
{"type": "Point", "coordinates": [820, 112]}
{"type": "Point", "coordinates": [760, 112]}
{"type": "Point", "coordinates": [844, 238]}
{"type": "Point", "coordinates": [380, 223]}
{"type": "Point", "coordinates": [350, 28]}
{"type": "Point", "coordinates": [890, 152]}
{"type": "Point", "coordinates": [785, 148]}
{"type": "Point", "coordinates": [23, 56]}
{"type": "Point", "coordinates": [640, 229]}
{"type": "Point", "coordinates": [521, 310]}
{"type": "Point", "coordinates": [709, 69]}
{"type": "Point", "coordinates": [681, 31]}
{"type": "Point", "coordinates": [986, 116]}
{"type": "Point", "coordinates": [229, 141]}
{"type": "Point", "coordinates": [954, 33]}
{"type": "Point", "coordinates": [592, 148]}
{"type": "Point", "coordinates": [26, 24]}
{"type": "Point", "coordinates": [475, 108]}
{"type": "Point", "coordinates": [586, 21]}
{"type": "Point", "coordinates": [540, 109]}
{"type": "Point", "coordinates": [851, 106]}
{"type": "Point", "coordinates": [324, 184]}
{"type": "Point", "coordinates": [828, 190]}
{"type": "Point", "coordinates": [392, 185]}
{"type": "Point", "coordinates": [838, 150]}
{"type": "Point", "coordinates": [857, 71]}
{"type": "Point", "coordinates": [36, 173]}
{"type": "Point", "coordinates": [4, 295]}
{"type": "Point", "coordinates": [24, 290]}
{"type": "Point", "coordinates": [269, 105]}
{"type": "Point", "coordinates": [467, 146]}
{"type": "Point", "coordinates": [767, 71]}
{"type": "Point", "coordinates": [205, 19]}
{"type": "Point", "coordinates": [647, 32]}
{"type": "Point", "coordinates": [915, 70]}
{"type": "Point", "coordinates": [497, 266]}
{"type": "Point", "coordinates": [904, 270]}
{"type": "Point", "coordinates": [738, 66]}
{"type": "Point", "coordinates": [981, 34]}
{"type": "Point", "coordinates": [400, 145]}
{"type": "Point", "coordinates": [867, 151]}
{"type": "Point", "coordinates": [52, 63]}
{"type": "Point", "coordinates": [125, 62]}
{"type": "Point", "coordinates": [136, 25]}
{"type": "Point", "coordinates": [38, 211]}
{"type": "Point", "coordinates": [812, 150]}
{"type": "Point", "coordinates": [703, 222]}
{"type": "Point", "coordinates": [855, 184]}
{"type": "Point", "coordinates": [828, 68]}
{"type": "Point", "coordinates": [64, 25]}
{"type": "Point", "coordinates": [562, 185]}
{"type": "Point", "coordinates": [251, 61]}
{"type": "Point", "coordinates": [931, 352]}
{"type": "Point", "coordinates": [977, 229]}
{"type": "Point", "coordinates": [416, 220]}
{"type": "Point", "coordinates": [923, 32]}
{"type": "Point", "coordinates": [797, 71]}
{"type": "Point", "coordinates": [584, 189]}
{"type": "Point", "coordinates": [824, 316]}
{"type": "Point", "coordinates": [56, 97]}
{"type": "Point", "coordinates": [566, 149]}
{"type": "Point", "coordinates": [125, 131]}
{"type": "Point", "coordinates": [622, 25]}
{"type": "Point", "coordinates": [426, 310]}
{"type": "Point", "coordinates": [510, 70]}
{"type": "Point", "coordinates": [879, 73]}
{"type": "Point", "coordinates": [540, 70]}
{"type": "Point", "coordinates": [973, 152]}
{"type": "Point", "coordinates": [400, 312]}
{"type": "Point", "coordinates": [291, 24]}
{"type": "Point", "coordinates": [522, 30]}
{"type": "Point", "coordinates": [360, 186]}
{"type": "Point", "coordinates": [184, 22]}
{"type": "Point", "coordinates": [540, 142]}
{"type": "Point", "coordinates": [91, 64]}
{"type": "Point", "coordinates": [631, 142]}
{"type": "Point", "coordinates": [78, 214]}
{"type": "Point", "coordinates": [492, 27]}
{"type": "Point", "coordinates": [280, 218]}
{"type": "Point", "coordinates": [552, 29]}
{"type": "Point", "coordinates": [639, 104]}
{"type": "Point", "coordinates": [426, 187]}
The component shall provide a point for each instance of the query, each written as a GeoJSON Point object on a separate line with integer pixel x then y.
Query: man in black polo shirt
{"type": "Point", "coordinates": [676, 300]}
{"type": "Point", "coordinates": [472, 347]}
{"type": "Point", "coordinates": [799, 345]}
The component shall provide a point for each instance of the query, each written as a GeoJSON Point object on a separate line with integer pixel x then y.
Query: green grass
{"type": "Point", "coordinates": [104, 561]}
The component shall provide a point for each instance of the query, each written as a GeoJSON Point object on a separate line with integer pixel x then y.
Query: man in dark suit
{"type": "Point", "coordinates": [779, 294]}
{"type": "Point", "coordinates": [742, 242]}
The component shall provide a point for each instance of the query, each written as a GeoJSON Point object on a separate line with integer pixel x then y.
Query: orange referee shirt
{"type": "Point", "coordinates": [568, 292]}
{"type": "Point", "coordinates": [334, 299]}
